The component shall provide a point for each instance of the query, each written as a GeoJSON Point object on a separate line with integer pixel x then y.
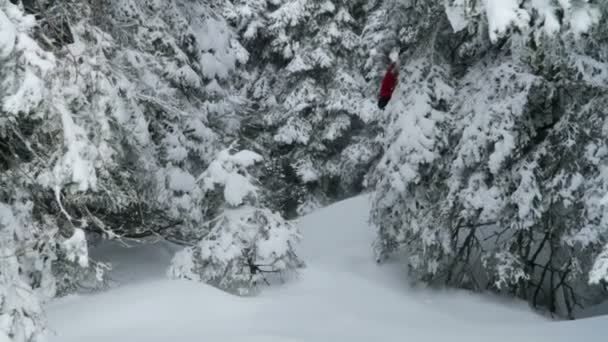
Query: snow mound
{"type": "Point", "coordinates": [341, 296]}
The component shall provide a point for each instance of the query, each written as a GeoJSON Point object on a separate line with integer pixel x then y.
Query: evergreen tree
{"type": "Point", "coordinates": [506, 193]}
{"type": "Point", "coordinates": [312, 113]}
{"type": "Point", "coordinates": [101, 131]}
{"type": "Point", "coordinates": [154, 82]}
{"type": "Point", "coordinates": [245, 243]}
{"type": "Point", "coordinates": [35, 256]}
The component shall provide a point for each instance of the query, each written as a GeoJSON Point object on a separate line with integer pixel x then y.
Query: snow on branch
{"type": "Point", "coordinates": [229, 171]}
{"type": "Point", "coordinates": [576, 16]}
{"type": "Point", "coordinates": [245, 244]}
{"type": "Point", "coordinates": [599, 273]}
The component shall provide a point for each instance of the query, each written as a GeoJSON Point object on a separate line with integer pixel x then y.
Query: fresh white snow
{"type": "Point", "coordinates": [229, 171]}
{"type": "Point", "coordinates": [8, 35]}
{"type": "Point", "coordinates": [456, 15]}
{"type": "Point", "coordinates": [342, 295]}
{"type": "Point", "coordinates": [76, 248]}
{"type": "Point", "coordinates": [579, 17]}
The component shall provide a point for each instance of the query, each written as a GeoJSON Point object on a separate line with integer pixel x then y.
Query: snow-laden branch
{"type": "Point", "coordinates": [576, 16]}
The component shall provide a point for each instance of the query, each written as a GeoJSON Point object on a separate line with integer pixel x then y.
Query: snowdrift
{"type": "Point", "coordinates": [342, 295]}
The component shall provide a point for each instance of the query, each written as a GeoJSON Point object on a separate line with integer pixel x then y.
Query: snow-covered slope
{"type": "Point", "coordinates": [342, 295]}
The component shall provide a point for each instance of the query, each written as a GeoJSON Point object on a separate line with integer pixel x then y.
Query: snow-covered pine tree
{"type": "Point", "coordinates": [514, 204]}
{"type": "Point", "coordinates": [144, 101]}
{"type": "Point", "coordinates": [34, 253]}
{"type": "Point", "coordinates": [100, 133]}
{"type": "Point", "coordinates": [244, 244]}
{"type": "Point", "coordinates": [416, 122]}
{"type": "Point", "coordinates": [417, 127]}
{"type": "Point", "coordinates": [146, 84]}
{"type": "Point", "coordinates": [312, 112]}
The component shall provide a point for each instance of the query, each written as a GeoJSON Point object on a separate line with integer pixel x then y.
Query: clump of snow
{"type": "Point", "coordinates": [583, 18]}
{"type": "Point", "coordinates": [599, 273]}
{"type": "Point", "coordinates": [8, 35]}
{"type": "Point", "coordinates": [78, 164]}
{"type": "Point", "coordinates": [547, 12]}
{"type": "Point", "coordinates": [183, 265]}
{"type": "Point", "coordinates": [175, 150]}
{"type": "Point", "coordinates": [456, 15]}
{"type": "Point", "coordinates": [327, 7]}
{"type": "Point", "coordinates": [306, 171]}
{"type": "Point", "coordinates": [297, 64]}
{"type": "Point", "coordinates": [14, 27]}
{"type": "Point", "coordinates": [221, 51]}
{"type": "Point", "coordinates": [184, 75]}
{"type": "Point", "coordinates": [502, 14]}
{"type": "Point", "coordinates": [76, 249]}
{"type": "Point", "coordinates": [604, 200]}
{"type": "Point", "coordinates": [29, 95]}
{"type": "Point", "coordinates": [295, 130]}
{"type": "Point", "coordinates": [230, 172]}
{"type": "Point", "coordinates": [236, 187]}
{"type": "Point", "coordinates": [289, 14]}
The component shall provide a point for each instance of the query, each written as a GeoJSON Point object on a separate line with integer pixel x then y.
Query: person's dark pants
{"type": "Point", "coordinates": [383, 101]}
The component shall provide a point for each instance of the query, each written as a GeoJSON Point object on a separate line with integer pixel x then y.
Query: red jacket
{"type": "Point", "coordinates": [389, 82]}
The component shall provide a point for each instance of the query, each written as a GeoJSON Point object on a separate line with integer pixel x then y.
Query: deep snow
{"type": "Point", "coordinates": [342, 295]}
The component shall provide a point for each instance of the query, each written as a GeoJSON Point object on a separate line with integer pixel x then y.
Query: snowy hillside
{"type": "Point", "coordinates": [342, 295]}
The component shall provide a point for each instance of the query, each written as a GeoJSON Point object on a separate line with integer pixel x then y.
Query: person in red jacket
{"type": "Point", "coordinates": [388, 85]}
